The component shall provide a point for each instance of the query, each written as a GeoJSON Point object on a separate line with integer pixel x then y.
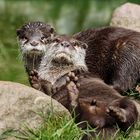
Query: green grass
{"type": "Point", "coordinates": [53, 128]}
{"type": "Point", "coordinates": [62, 128]}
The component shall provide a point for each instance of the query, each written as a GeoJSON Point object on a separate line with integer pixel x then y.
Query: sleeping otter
{"type": "Point", "coordinates": [32, 40]}
{"type": "Point", "coordinates": [94, 101]}
{"type": "Point", "coordinates": [98, 104]}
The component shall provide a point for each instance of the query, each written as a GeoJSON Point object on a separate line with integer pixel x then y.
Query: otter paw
{"type": "Point", "coordinates": [73, 93]}
{"type": "Point", "coordinates": [138, 88]}
{"type": "Point", "coordinates": [34, 81]}
{"type": "Point", "coordinates": [60, 83]}
{"type": "Point", "coordinates": [33, 75]}
{"type": "Point", "coordinates": [64, 80]}
{"type": "Point", "coordinates": [72, 77]}
{"type": "Point", "coordinates": [118, 113]}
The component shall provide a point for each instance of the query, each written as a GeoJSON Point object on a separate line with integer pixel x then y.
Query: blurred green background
{"type": "Point", "coordinates": [67, 16]}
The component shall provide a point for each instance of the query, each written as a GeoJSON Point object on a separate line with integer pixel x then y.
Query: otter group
{"type": "Point", "coordinates": [105, 61]}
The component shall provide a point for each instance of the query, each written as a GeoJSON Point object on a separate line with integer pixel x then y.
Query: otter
{"type": "Point", "coordinates": [32, 38]}
{"type": "Point", "coordinates": [98, 104]}
{"type": "Point", "coordinates": [113, 54]}
{"type": "Point", "coordinates": [94, 101]}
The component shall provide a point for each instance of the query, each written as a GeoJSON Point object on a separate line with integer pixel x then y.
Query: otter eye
{"type": "Point", "coordinates": [51, 30]}
{"type": "Point", "coordinates": [48, 40]}
{"type": "Point", "coordinates": [43, 37]}
{"type": "Point", "coordinates": [25, 38]}
{"type": "Point", "coordinates": [75, 43]}
{"type": "Point", "coordinates": [93, 103]}
{"type": "Point", "coordinates": [56, 40]}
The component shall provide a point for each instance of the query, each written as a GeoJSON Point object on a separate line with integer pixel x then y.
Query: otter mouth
{"type": "Point", "coordinates": [35, 52]}
{"type": "Point", "coordinates": [62, 59]}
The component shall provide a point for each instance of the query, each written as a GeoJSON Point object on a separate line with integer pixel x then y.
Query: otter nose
{"type": "Point", "coordinates": [65, 44]}
{"type": "Point", "coordinates": [34, 43]}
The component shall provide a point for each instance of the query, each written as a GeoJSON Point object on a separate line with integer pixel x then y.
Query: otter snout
{"type": "Point", "coordinates": [62, 58]}
{"type": "Point", "coordinates": [34, 43]}
{"type": "Point", "coordinates": [65, 44]}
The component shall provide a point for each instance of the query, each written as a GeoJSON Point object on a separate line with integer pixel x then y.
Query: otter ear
{"type": "Point", "coordinates": [93, 102]}
{"type": "Point", "coordinates": [85, 46]}
{"type": "Point", "coordinates": [18, 32]}
{"type": "Point", "coordinates": [52, 30]}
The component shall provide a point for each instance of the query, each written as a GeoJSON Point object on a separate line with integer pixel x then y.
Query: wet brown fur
{"type": "Point", "coordinates": [113, 54]}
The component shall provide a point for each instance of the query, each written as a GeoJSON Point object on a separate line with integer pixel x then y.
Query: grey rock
{"type": "Point", "coordinates": [127, 16]}
{"type": "Point", "coordinates": [21, 104]}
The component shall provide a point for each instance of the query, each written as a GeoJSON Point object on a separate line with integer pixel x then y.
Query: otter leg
{"type": "Point", "coordinates": [72, 87]}
{"type": "Point", "coordinates": [124, 111]}
{"type": "Point", "coordinates": [73, 96]}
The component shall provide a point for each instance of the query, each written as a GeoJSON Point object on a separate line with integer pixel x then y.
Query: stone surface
{"type": "Point", "coordinates": [127, 16]}
{"type": "Point", "coordinates": [21, 104]}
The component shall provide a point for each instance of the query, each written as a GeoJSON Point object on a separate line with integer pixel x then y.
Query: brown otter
{"type": "Point", "coordinates": [96, 102]}
{"type": "Point", "coordinates": [113, 54]}
{"type": "Point", "coordinates": [32, 38]}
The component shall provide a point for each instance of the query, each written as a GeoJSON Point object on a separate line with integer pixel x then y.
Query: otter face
{"type": "Point", "coordinates": [64, 50]}
{"type": "Point", "coordinates": [95, 113]}
{"type": "Point", "coordinates": [33, 36]}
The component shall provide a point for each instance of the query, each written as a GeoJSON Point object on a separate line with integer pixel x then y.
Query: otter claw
{"type": "Point", "coordinates": [70, 74]}
{"type": "Point", "coordinates": [67, 79]}
{"type": "Point", "coordinates": [118, 113]}
{"type": "Point", "coordinates": [75, 78]}
{"type": "Point", "coordinates": [93, 102]}
{"type": "Point", "coordinates": [34, 73]}
{"type": "Point", "coordinates": [78, 85]}
{"type": "Point", "coordinates": [34, 79]}
{"type": "Point", "coordinates": [72, 77]}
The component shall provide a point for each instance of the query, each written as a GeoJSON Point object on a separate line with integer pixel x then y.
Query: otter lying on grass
{"type": "Point", "coordinates": [94, 101]}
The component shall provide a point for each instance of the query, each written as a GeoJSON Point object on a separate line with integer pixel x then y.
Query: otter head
{"type": "Point", "coordinates": [66, 51]}
{"type": "Point", "coordinates": [95, 112]}
{"type": "Point", "coordinates": [63, 54]}
{"type": "Point", "coordinates": [32, 38]}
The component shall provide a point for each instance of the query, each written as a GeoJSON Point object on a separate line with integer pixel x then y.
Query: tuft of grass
{"type": "Point", "coordinates": [132, 93]}
{"type": "Point", "coordinates": [60, 127]}
{"type": "Point", "coordinates": [63, 128]}
{"type": "Point", "coordinates": [54, 128]}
